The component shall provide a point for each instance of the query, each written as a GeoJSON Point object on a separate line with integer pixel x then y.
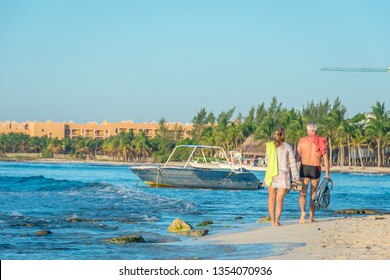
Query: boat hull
{"type": "Point", "coordinates": [196, 178]}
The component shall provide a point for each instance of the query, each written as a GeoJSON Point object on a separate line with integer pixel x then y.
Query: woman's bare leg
{"type": "Point", "coordinates": [279, 204]}
{"type": "Point", "coordinates": [271, 204]}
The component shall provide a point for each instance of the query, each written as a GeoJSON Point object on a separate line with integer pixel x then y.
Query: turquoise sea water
{"type": "Point", "coordinates": [109, 201]}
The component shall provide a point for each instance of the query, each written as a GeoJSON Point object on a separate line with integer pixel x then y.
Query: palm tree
{"type": "Point", "coordinates": [23, 140]}
{"type": "Point", "coordinates": [96, 146]}
{"type": "Point", "coordinates": [81, 146]}
{"type": "Point", "coordinates": [125, 146]}
{"type": "Point", "coordinates": [316, 112]}
{"type": "Point", "coordinates": [69, 146]}
{"type": "Point", "coordinates": [108, 146]}
{"type": "Point", "coordinates": [201, 122]}
{"type": "Point", "coordinates": [163, 130]}
{"type": "Point", "coordinates": [261, 113]}
{"type": "Point", "coordinates": [266, 130]}
{"type": "Point", "coordinates": [222, 129]}
{"type": "Point", "coordinates": [330, 125]}
{"type": "Point", "coordinates": [378, 126]}
{"type": "Point", "coordinates": [235, 135]}
{"type": "Point", "coordinates": [328, 128]}
{"type": "Point", "coordinates": [358, 139]}
{"type": "Point", "coordinates": [178, 132]}
{"type": "Point", "coordinates": [142, 148]}
{"type": "Point", "coordinates": [248, 125]}
{"type": "Point", "coordinates": [56, 146]}
{"type": "Point", "coordinates": [340, 139]}
{"type": "Point", "coordinates": [35, 144]}
{"type": "Point", "coordinates": [349, 127]}
{"type": "Point", "coordinates": [165, 140]}
{"type": "Point", "coordinates": [3, 144]}
{"type": "Point", "coordinates": [208, 136]}
{"type": "Point", "coordinates": [386, 143]}
{"type": "Point", "coordinates": [338, 115]}
{"type": "Point", "coordinates": [295, 131]}
{"type": "Point", "coordinates": [13, 142]}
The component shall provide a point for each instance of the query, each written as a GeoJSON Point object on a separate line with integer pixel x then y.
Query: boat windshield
{"type": "Point", "coordinates": [199, 153]}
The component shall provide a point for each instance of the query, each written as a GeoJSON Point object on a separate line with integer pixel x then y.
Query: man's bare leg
{"type": "Point", "coordinates": [271, 204]}
{"type": "Point", "coordinates": [302, 199]}
{"type": "Point", "coordinates": [313, 191]}
{"type": "Point", "coordinates": [279, 205]}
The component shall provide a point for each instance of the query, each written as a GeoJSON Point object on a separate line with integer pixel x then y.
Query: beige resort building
{"type": "Point", "coordinates": [90, 130]}
{"type": "Point", "coordinates": [250, 148]}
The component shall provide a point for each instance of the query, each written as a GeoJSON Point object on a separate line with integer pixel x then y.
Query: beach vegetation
{"type": "Point", "coordinates": [361, 140]}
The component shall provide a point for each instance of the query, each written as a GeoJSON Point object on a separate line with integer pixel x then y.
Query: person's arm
{"type": "Point", "coordinates": [326, 164]}
{"type": "Point", "coordinates": [293, 164]}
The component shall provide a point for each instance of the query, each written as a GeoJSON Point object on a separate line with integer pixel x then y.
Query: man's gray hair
{"type": "Point", "coordinates": [312, 126]}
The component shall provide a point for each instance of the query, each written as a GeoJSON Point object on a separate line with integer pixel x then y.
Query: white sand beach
{"type": "Point", "coordinates": [360, 238]}
{"type": "Point", "coordinates": [359, 169]}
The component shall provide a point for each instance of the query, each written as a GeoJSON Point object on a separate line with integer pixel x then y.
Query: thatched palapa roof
{"type": "Point", "coordinates": [252, 147]}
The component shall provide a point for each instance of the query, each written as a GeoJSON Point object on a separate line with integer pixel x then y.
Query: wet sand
{"type": "Point", "coordinates": [360, 238]}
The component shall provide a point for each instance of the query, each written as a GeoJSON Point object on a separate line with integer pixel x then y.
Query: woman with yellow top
{"type": "Point", "coordinates": [281, 165]}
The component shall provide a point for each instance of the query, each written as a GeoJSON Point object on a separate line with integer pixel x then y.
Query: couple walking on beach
{"type": "Point", "coordinates": [282, 170]}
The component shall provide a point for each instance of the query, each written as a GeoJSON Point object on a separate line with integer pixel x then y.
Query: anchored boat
{"type": "Point", "coordinates": [184, 175]}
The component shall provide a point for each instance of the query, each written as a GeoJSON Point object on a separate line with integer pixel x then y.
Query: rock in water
{"type": "Point", "coordinates": [264, 219]}
{"type": "Point", "coordinates": [205, 223]}
{"type": "Point", "coordinates": [134, 238]}
{"type": "Point", "coordinates": [80, 220]}
{"type": "Point", "coordinates": [194, 232]}
{"type": "Point", "coordinates": [359, 212]}
{"type": "Point", "coordinates": [43, 232]}
{"type": "Point", "coordinates": [178, 225]}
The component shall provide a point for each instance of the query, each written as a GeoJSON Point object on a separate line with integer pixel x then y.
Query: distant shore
{"type": "Point", "coordinates": [336, 169]}
{"type": "Point", "coordinates": [359, 169]}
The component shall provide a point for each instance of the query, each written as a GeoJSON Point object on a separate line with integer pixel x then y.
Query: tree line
{"type": "Point", "coordinates": [362, 140]}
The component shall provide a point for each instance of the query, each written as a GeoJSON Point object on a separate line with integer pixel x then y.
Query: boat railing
{"type": "Point", "coordinates": [202, 149]}
{"type": "Point", "coordinates": [236, 159]}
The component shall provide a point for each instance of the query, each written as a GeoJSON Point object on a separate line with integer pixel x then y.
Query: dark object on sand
{"type": "Point", "coordinates": [322, 197]}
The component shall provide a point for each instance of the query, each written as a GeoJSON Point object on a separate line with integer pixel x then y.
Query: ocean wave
{"type": "Point", "coordinates": [35, 183]}
{"type": "Point", "coordinates": [368, 174]}
{"type": "Point", "coordinates": [143, 200]}
{"type": "Point", "coordinates": [41, 183]}
{"type": "Point", "coordinates": [18, 219]}
{"type": "Point", "coordinates": [15, 214]}
{"type": "Point", "coordinates": [95, 191]}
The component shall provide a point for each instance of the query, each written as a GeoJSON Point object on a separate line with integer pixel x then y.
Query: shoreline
{"type": "Point", "coordinates": [359, 169]}
{"type": "Point", "coordinates": [334, 169]}
{"type": "Point", "coordinates": [348, 238]}
{"type": "Point", "coordinates": [337, 238]}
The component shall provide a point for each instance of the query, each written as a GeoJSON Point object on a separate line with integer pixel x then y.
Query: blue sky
{"type": "Point", "coordinates": [144, 60]}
